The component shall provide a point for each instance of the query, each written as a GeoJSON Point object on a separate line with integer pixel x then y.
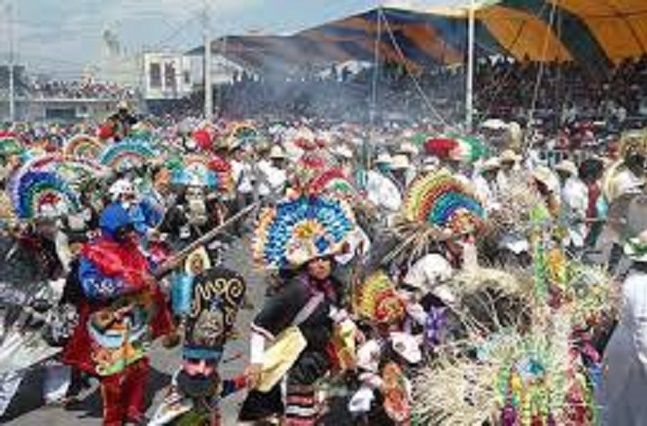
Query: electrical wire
{"type": "Point", "coordinates": [417, 85]}
{"type": "Point", "coordinates": [540, 73]}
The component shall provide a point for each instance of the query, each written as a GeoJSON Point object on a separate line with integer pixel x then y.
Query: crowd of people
{"type": "Point", "coordinates": [427, 277]}
{"type": "Point", "coordinates": [75, 89]}
{"type": "Point", "coordinates": [504, 89]}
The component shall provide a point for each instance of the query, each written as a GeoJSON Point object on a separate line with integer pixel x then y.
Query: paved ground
{"type": "Point", "coordinates": [27, 408]}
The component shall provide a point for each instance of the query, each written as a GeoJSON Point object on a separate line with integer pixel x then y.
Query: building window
{"type": "Point", "coordinates": [169, 76]}
{"type": "Point", "coordinates": [155, 76]}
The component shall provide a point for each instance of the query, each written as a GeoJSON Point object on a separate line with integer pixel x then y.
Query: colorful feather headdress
{"type": "Point", "coordinates": [195, 171]}
{"type": "Point", "coordinates": [298, 230]}
{"type": "Point", "coordinates": [377, 300]}
{"type": "Point", "coordinates": [42, 194]}
{"type": "Point", "coordinates": [71, 169]}
{"type": "Point", "coordinates": [241, 133]}
{"type": "Point", "coordinates": [83, 146]}
{"type": "Point", "coordinates": [127, 154]}
{"type": "Point", "coordinates": [436, 207]}
{"type": "Point", "coordinates": [10, 145]}
{"type": "Point", "coordinates": [333, 183]}
{"type": "Point", "coordinates": [440, 199]}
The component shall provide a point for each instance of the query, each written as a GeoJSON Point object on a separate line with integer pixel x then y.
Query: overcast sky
{"type": "Point", "coordinates": [64, 36]}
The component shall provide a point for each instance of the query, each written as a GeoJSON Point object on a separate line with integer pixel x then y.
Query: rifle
{"type": "Point", "coordinates": [169, 265]}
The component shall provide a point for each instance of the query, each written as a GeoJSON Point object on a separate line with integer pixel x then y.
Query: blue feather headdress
{"type": "Point", "coordinates": [37, 194]}
{"type": "Point", "coordinates": [296, 231]}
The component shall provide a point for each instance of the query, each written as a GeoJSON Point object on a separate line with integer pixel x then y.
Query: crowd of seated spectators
{"type": "Point", "coordinates": [567, 95]}
{"type": "Point", "coordinates": [80, 90]}
{"type": "Point", "coordinates": [504, 89]}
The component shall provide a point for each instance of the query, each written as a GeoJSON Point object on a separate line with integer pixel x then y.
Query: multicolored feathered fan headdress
{"type": "Point", "coordinates": [10, 145]}
{"type": "Point", "coordinates": [71, 169]}
{"type": "Point", "coordinates": [377, 300]}
{"type": "Point", "coordinates": [241, 133]}
{"type": "Point", "coordinates": [37, 194]}
{"type": "Point", "coordinates": [195, 171]}
{"type": "Point", "coordinates": [333, 183]}
{"type": "Point", "coordinates": [308, 173]}
{"type": "Point", "coordinates": [83, 146]}
{"type": "Point", "coordinates": [127, 154]}
{"type": "Point", "coordinates": [296, 231]}
{"type": "Point", "coordinates": [437, 206]}
{"type": "Point", "coordinates": [440, 199]}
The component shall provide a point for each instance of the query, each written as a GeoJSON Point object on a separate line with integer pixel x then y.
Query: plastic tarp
{"type": "Point", "coordinates": [595, 33]}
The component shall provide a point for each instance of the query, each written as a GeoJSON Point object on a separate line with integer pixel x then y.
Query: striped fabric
{"type": "Point", "coordinates": [300, 406]}
{"type": "Point", "coordinates": [595, 33]}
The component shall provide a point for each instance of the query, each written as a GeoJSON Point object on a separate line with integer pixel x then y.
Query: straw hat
{"type": "Point", "coordinates": [509, 156]}
{"type": "Point", "coordinates": [384, 158]}
{"type": "Point", "coordinates": [491, 164]}
{"type": "Point", "coordinates": [567, 166]}
{"type": "Point", "coordinates": [636, 248]}
{"type": "Point", "coordinates": [400, 162]}
{"type": "Point", "coordinates": [277, 152]}
{"type": "Point", "coordinates": [344, 152]}
{"type": "Point", "coordinates": [430, 164]}
{"type": "Point", "coordinates": [408, 148]}
{"type": "Point", "coordinates": [547, 177]}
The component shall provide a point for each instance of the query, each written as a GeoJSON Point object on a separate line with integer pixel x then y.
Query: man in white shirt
{"type": "Point", "coordinates": [271, 174]}
{"type": "Point", "coordinates": [485, 183]}
{"type": "Point", "coordinates": [574, 202]}
{"type": "Point", "coordinates": [242, 174]}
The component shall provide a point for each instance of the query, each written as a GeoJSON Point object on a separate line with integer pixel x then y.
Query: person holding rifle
{"type": "Point", "coordinates": [123, 311]}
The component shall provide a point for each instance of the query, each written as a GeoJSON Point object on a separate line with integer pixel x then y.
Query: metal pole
{"type": "Point", "coordinates": [12, 85]}
{"type": "Point", "coordinates": [469, 102]}
{"type": "Point", "coordinates": [208, 93]}
{"type": "Point", "coordinates": [367, 144]}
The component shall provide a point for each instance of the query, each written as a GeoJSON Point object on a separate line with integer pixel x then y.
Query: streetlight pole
{"type": "Point", "coordinates": [12, 84]}
{"type": "Point", "coordinates": [208, 93]}
{"type": "Point", "coordinates": [469, 101]}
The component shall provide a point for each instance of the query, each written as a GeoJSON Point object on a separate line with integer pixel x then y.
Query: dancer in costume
{"type": "Point", "coordinates": [384, 396]}
{"type": "Point", "coordinates": [124, 312]}
{"type": "Point", "coordinates": [122, 122]}
{"type": "Point", "coordinates": [208, 303]}
{"type": "Point", "coordinates": [35, 259]}
{"type": "Point", "coordinates": [144, 216]}
{"type": "Point", "coordinates": [303, 236]}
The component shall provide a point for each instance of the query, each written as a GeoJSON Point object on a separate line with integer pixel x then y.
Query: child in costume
{"type": "Point", "coordinates": [124, 311]}
{"type": "Point", "coordinates": [384, 396]}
